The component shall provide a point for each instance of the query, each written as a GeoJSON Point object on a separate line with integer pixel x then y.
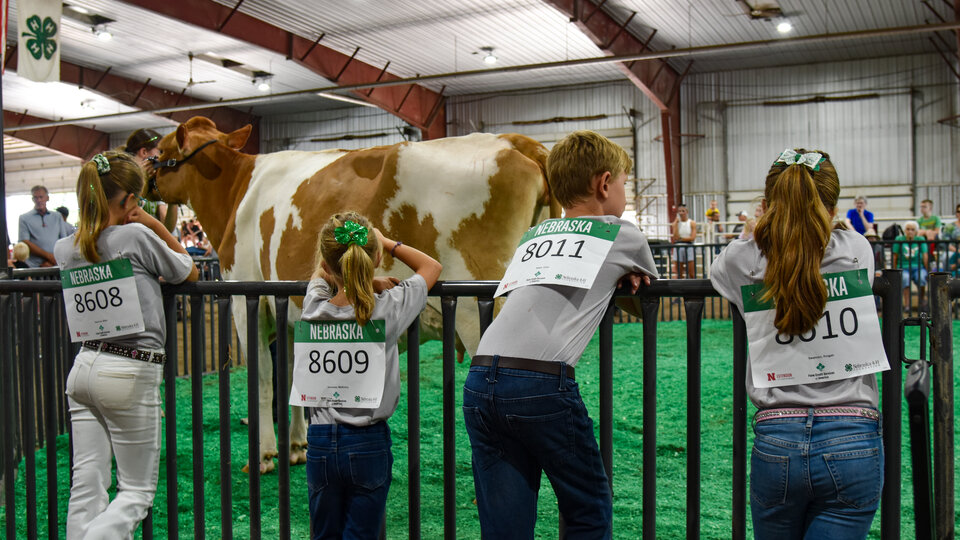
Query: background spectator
{"type": "Point", "coordinates": [142, 145]}
{"type": "Point", "coordinates": [928, 222]}
{"type": "Point", "coordinates": [859, 218]}
{"type": "Point", "coordinates": [683, 230]}
{"type": "Point", "coordinates": [65, 212]}
{"type": "Point", "coordinates": [21, 252]}
{"type": "Point", "coordinates": [912, 257]}
{"type": "Point", "coordinates": [40, 229]}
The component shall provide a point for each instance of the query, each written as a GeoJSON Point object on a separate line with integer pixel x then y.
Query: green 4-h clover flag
{"type": "Point", "coordinates": [38, 30]}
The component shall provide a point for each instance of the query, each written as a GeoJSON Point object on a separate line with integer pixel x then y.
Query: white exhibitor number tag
{"type": "Point", "coordinates": [338, 364]}
{"type": "Point", "coordinates": [845, 343]}
{"type": "Point", "coordinates": [560, 252]}
{"type": "Point", "coordinates": [101, 301]}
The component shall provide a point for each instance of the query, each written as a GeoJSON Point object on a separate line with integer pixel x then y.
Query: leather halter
{"type": "Point", "coordinates": [173, 163]}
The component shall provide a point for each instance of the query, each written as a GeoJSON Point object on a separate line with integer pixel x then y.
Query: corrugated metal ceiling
{"type": "Point", "coordinates": [430, 37]}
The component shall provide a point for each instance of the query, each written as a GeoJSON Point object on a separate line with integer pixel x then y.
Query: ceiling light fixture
{"type": "Point", "coordinates": [101, 32]}
{"type": "Point", "coordinates": [489, 58]}
{"type": "Point", "coordinates": [262, 83]}
{"type": "Point", "coordinates": [346, 99]}
{"type": "Point", "coordinates": [784, 27]}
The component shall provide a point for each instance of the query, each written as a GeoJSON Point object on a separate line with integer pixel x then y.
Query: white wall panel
{"type": "Point", "coordinates": [869, 138]}
{"type": "Point", "coordinates": [366, 125]}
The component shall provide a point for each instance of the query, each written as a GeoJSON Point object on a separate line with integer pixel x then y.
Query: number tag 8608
{"type": "Point", "coordinates": [101, 300]}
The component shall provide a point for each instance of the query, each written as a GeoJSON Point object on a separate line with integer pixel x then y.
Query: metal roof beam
{"type": "Point", "coordinates": [655, 78]}
{"type": "Point", "coordinates": [76, 141]}
{"type": "Point", "coordinates": [422, 109]}
{"type": "Point", "coordinates": [143, 95]}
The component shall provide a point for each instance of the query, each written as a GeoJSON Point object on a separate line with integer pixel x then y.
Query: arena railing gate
{"type": "Point", "coordinates": [35, 356]}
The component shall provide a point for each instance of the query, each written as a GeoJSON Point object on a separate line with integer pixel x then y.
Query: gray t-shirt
{"type": "Point", "coordinates": [398, 306]}
{"type": "Point", "coordinates": [43, 230]}
{"type": "Point", "coordinates": [741, 263]}
{"type": "Point", "coordinates": [554, 323]}
{"type": "Point", "coordinates": [150, 258]}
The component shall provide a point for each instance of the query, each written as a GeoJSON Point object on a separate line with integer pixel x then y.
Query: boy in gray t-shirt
{"type": "Point", "coordinates": [522, 406]}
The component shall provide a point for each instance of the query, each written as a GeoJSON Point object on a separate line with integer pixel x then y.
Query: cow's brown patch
{"type": "Point", "coordinates": [515, 192]}
{"type": "Point", "coordinates": [361, 180]}
{"type": "Point", "coordinates": [267, 221]}
{"type": "Point", "coordinates": [405, 225]}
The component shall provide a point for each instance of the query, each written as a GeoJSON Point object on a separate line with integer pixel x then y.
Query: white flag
{"type": "Point", "coordinates": [38, 26]}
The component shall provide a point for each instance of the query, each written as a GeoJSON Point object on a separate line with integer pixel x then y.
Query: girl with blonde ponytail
{"type": "Point", "coordinates": [804, 287]}
{"type": "Point", "coordinates": [348, 441]}
{"type": "Point", "coordinates": [113, 387]}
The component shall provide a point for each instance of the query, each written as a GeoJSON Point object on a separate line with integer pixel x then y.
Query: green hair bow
{"type": "Point", "coordinates": [351, 233]}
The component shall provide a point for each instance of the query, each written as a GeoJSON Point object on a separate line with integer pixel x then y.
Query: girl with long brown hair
{"type": "Point", "coordinates": [803, 286]}
{"type": "Point", "coordinates": [114, 262]}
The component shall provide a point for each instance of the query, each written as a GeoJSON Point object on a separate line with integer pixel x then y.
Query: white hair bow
{"type": "Point", "coordinates": [791, 156]}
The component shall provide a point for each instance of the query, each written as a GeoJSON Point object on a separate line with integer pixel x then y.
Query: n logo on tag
{"type": "Point", "coordinates": [771, 376]}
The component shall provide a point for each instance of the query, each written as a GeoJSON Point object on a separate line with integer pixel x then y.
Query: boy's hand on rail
{"type": "Point", "coordinates": [632, 281]}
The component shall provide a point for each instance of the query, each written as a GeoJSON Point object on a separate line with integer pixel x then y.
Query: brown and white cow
{"type": "Point", "coordinates": [466, 201]}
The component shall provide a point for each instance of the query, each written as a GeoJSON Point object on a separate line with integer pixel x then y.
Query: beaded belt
{"type": "Point", "coordinates": [539, 366]}
{"type": "Point", "coordinates": [136, 354]}
{"type": "Point", "coordinates": [862, 412]}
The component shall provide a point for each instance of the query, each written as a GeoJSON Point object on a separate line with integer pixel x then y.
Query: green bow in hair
{"type": "Point", "coordinates": [351, 233]}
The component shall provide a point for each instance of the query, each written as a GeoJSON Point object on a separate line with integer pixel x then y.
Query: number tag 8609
{"type": "Point", "coordinates": [338, 364]}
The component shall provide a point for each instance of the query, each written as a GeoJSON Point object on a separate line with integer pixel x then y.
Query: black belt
{"type": "Point", "coordinates": [539, 366]}
{"type": "Point", "coordinates": [119, 350]}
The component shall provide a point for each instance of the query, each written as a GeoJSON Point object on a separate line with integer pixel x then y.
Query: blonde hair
{"type": "Point", "coordinates": [352, 263]}
{"type": "Point", "coordinates": [21, 251]}
{"type": "Point", "coordinates": [793, 235]}
{"type": "Point", "coordinates": [577, 159]}
{"type": "Point", "coordinates": [94, 190]}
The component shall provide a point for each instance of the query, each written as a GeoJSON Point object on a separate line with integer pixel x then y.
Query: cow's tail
{"type": "Point", "coordinates": [536, 152]}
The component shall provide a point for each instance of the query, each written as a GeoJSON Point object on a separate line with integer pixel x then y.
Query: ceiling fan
{"type": "Point", "coordinates": [190, 82]}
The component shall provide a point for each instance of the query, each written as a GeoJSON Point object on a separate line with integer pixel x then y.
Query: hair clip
{"type": "Point", "coordinates": [351, 233]}
{"type": "Point", "coordinates": [102, 163]}
{"type": "Point", "coordinates": [791, 157]}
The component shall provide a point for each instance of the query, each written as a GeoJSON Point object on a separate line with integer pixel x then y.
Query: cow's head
{"type": "Point", "coordinates": [197, 150]}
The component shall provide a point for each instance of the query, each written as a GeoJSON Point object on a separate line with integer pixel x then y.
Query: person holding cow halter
{"type": "Point", "coordinates": [110, 269]}
{"type": "Point", "coordinates": [804, 287]}
{"type": "Point", "coordinates": [142, 144]}
{"type": "Point", "coordinates": [347, 370]}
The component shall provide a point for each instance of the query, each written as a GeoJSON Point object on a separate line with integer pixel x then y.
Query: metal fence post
{"type": "Point", "coordinates": [941, 356]}
{"type": "Point", "coordinates": [889, 289]}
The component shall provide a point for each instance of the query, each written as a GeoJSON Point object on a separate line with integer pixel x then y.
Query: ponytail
{"type": "Point", "coordinates": [356, 268]}
{"type": "Point", "coordinates": [95, 187]}
{"type": "Point", "coordinates": [793, 235]}
{"type": "Point", "coordinates": [353, 262]}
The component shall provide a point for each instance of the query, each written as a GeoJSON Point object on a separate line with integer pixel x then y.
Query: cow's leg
{"type": "Point", "coordinates": [298, 425]}
{"type": "Point", "coordinates": [268, 441]}
{"type": "Point", "coordinates": [268, 437]}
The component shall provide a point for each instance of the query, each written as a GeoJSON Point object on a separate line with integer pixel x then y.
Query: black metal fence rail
{"type": "Point", "coordinates": [31, 301]}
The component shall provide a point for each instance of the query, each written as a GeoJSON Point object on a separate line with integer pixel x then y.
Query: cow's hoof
{"type": "Point", "coordinates": [298, 455]}
{"type": "Point", "coordinates": [265, 467]}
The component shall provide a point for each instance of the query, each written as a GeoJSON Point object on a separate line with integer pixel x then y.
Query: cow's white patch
{"type": "Point", "coordinates": [275, 179]}
{"type": "Point", "coordinates": [447, 179]}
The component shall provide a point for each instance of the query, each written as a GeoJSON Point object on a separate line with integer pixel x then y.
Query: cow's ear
{"type": "Point", "coordinates": [238, 138]}
{"type": "Point", "coordinates": [181, 135]}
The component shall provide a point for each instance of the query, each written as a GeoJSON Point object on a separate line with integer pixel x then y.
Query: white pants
{"type": "Point", "coordinates": [115, 411]}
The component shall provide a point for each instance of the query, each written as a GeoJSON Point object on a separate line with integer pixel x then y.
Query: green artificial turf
{"type": "Point", "coordinates": [716, 426]}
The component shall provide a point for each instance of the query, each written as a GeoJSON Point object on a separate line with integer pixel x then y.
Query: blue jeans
{"type": "Point", "coordinates": [815, 477]}
{"type": "Point", "coordinates": [348, 476]}
{"type": "Point", "coordinates": [917, 274]}
{"type": "Point", "coordinates": [522, 423]}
